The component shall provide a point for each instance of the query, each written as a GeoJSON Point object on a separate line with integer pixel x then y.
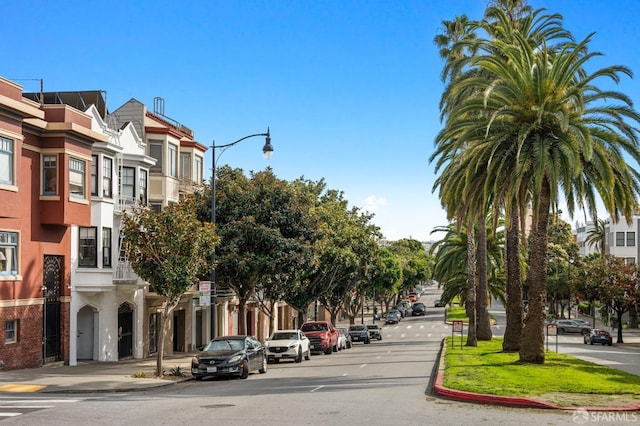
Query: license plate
{"type": "Point", "coordinates": [212, 369]}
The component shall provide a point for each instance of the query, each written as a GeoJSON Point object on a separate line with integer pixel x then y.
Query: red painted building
{"type": "Point", "coordinates": [45, 169]}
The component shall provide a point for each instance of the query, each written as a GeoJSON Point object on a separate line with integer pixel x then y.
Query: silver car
{"type": "Point", "coordinates": [570, 326]}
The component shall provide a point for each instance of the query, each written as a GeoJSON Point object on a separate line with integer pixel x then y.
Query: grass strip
{"type": "Point", "coordinates": [486, 369]}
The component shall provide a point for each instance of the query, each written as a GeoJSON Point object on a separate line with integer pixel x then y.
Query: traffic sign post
{"type": "Point", "coordinates": [204, 289]}
{"type": "Point", "coordinates": [457, 327]}
{"type": "Point", "coordinates": [552, 330]}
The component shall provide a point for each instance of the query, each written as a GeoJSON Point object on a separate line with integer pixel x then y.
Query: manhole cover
{"type": "Point", "coordinates": [218, 406]}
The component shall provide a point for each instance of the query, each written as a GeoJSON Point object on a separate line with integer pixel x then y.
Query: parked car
{"type": "Point", "coordinates": [418, 309]}
{"type": "Point", "coordinates": [346, 337]}
{"type": "Point", "coordinates": [375, 332]}
{"type": "Point", "coordinates": [439, 304]}
{"type": "Point", "coordinates": [322, 335]}
{"type": "Point", "coordinates": [571, 326]}
{"type": "Point", "coordinates": [587, 323]}
{"type": "Point", "coordinates": [230, 356]}
{"type": "Point", "coordinates": [359, 333]}
{"type": "Point", "coordinates": [598, 336]}
{"type": "Point", "coordinates": [412, 297]}
{"type": "Point", "coordinates": [393, 317]}
{"type": "Point", "coordinates": [288, 344]}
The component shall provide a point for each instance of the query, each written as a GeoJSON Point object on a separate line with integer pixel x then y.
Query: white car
{"type": "Point", "coordinates": [288, 344]}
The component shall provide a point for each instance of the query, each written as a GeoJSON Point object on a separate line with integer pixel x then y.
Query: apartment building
{"type": "Point", "coordinates": [45, 160]}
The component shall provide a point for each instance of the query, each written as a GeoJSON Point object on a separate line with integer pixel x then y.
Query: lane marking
{"type": "Point", "coordinates": [317, 388]}
{"type": "Point", "coordinates": [20, 388]}
{"type": "Point", "coordinates": [27, 406]}
{"type": "Point", "coordinates": [363, 365]}
{"type": "Point", "coordinates": [9, 414]}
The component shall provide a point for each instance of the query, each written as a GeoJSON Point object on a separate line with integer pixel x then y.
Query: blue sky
{"type": "Point", "coordinates": [349, 89]}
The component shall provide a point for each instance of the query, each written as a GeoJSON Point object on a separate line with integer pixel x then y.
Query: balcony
{"type": "Point", "coordinates": [124, 273]}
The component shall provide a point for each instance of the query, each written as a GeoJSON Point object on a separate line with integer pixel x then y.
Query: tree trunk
{"type": "Point", "coordinates": [532, 349]}
{"type": "Point", "coordinates": [633, 317]}
{"type": "Point", "coordinates": [482, 296]}
{"type": "Point", "coordinates": [242, 316]}
{"type": "Point", "coordinates": [472, 339]}
{"type": "Point", "coordinates": [163, 329]}
{"type": "Point", "coordinates": [514, 308]}
{"type": "Point", "coordinates": [619, 314]}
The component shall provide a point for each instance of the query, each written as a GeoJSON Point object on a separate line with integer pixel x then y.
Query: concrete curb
{"type": "Point", "coordinates": [506, 401]}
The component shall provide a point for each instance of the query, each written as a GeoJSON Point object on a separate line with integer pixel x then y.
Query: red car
{"type": "Point", "coordinates": [412, 297]}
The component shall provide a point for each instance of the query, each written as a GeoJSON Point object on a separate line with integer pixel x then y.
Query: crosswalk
{"type": "Point", "coordinates": [13, 407]}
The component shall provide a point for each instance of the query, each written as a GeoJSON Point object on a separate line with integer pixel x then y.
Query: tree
{"type": "Point", "coordinates": [597, 236]}
{"type": "Point", "coordinates": [536, 125]}
{"type": "Point", "coordinates": [170, 250]}
{"type": "Point", "coordinates": [387, 279]}
{"type": "Point", "coordinates": [267, 230]}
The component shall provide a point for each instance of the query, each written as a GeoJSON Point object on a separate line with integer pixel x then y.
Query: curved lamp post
{"type": "Point", "coordinates": [267, 151]}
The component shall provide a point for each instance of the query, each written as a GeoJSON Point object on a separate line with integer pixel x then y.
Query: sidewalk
{"type": "Point", "coordinates": [94, 376]}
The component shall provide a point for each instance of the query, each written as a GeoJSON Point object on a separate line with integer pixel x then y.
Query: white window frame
{"type": "Point", "coordinates": [49, 174]}
{"type": "Point", "coordinates": [7, 161]}
{"type": "Point", "coordinates": [9, 249]}
{"type": "Point", "coordinates": [173, 160]}
{"type": "Point", "coordinates": [77, 178]}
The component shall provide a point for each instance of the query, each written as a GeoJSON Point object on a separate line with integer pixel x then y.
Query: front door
{"type": "Point", "coordinates": [125, 331]}
{"type": "Point", "coordinates": [85, 333]}
{"type": "Point", "coordinates": [52, 315]}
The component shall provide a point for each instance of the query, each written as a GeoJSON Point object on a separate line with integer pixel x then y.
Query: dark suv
{"type": "Point", "coordinates": [359, 333]}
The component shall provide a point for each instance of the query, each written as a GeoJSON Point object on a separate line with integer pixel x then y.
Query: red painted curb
{"type": "Point", "coordinates": [511, 401]}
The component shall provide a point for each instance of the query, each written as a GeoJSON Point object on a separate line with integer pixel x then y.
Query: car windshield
{"type": "Point", "coordinates": [284, 336]}
{"type": "Point", "coordinates": [372, 327]}
{"type": "Point", "coordinates": [225, 345]}
{"type": "Point", "coordinates": [357, 327]}
{"type": "Point", "coordinates": [314, 327]}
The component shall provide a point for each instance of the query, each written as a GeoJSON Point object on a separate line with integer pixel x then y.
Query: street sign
{"type": "Point", "coordinates": [457, 326]}
{"type": "Point", "coordinates": [205, 293]}
{"type": "Point", "coordinates": [552, 330]}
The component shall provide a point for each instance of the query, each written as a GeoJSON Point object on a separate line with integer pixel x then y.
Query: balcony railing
{"type": "Point", "coordinates": [125, 204]}
{"type": "Point", "coordinates": [124, 272]}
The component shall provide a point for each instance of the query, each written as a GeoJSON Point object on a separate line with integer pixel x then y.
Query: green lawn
{"type": "Point", "coordinates": [486, 369]}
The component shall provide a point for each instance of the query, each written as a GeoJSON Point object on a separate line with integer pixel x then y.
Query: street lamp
{"type": "Point", "coordinates": [267, 151]}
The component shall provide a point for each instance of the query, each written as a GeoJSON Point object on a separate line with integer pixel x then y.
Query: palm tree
{"type": "Point", "coordinates": [542, 120]}
{"type": "Point", "coordinates": [597, 236]}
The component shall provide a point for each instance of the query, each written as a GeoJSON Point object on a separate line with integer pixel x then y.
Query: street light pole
{"type": "Point", "coordinates": [267, 151]}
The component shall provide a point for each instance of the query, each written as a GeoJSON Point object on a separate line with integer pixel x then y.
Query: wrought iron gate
{"type": "Point", "coordinates": [51, 329]}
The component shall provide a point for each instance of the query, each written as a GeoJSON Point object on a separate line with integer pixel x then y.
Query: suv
{"type": "Point", "coordinates": [374, 331]}
{"type": "Point", "coordinates": [322, 335]}
{"type": "Point", "coordinates": [359, 333]}
{"type": "Point", "coordinates": [570, 326]}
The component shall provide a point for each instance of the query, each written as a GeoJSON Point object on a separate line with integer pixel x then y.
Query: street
{"type": "Point", "coordinates": [385, 382]}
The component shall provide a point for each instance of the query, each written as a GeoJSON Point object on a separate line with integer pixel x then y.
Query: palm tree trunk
{"type": "Point", "coordinates": [472, 339]}
{"type": "Point", "coordinates": [532, 349]}
{"type": "Point", "coordinates": [482, 296]}
{"type": "Point", "coordinates": [514, 308]}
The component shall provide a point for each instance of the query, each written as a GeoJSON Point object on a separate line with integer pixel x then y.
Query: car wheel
{"type": "Point", "coordinates": [348, 345]}
{"type": "Point", "coordinates": [585, 341]}
{"type": "Point", "coordinates": [380, 337]}
{"type": "Point", "coordinates": [264, 365]}
{"type": "Point", "coordinates": [307, 356]}
{"type": "Point", "coordinates": [335, 348]}
{"type": "Point", "coordinates": [585, 332]}
{"type": "Point", "coordinates": [329, 351]}
{"type": "Point", "coordinates": [198, 378]}
{"type": "Point", "coordinates": [366, 342]}
{"type": "Point", "coordinates": [245, 370]}
{"type": "Point", "coordinates": [299, 356]}
{"type": "Point", "coordinates": [610, 344]}
{"type": "Point", "coordinates": [591, 342]}
{"type": "Point", "coordinates": [561, 331]}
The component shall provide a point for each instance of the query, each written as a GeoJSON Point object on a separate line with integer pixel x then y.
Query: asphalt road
{"type": "Point", "coordinates": [384, 383]}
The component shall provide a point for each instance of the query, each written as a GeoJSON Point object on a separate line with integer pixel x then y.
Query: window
{"type": "Point", "coordinates": [631, 239]}
{"type": "Point", "coordinates": [629, 260]}
{"type": "Point", "coordinates": [620, 239]}
{"type": "Point", "coordinates": [6, 161]}
{"type": "Point", "coordinates": [8, 253]}
{"type": "Point", "coordinates": [155, 151]}
{"type": "Point", "coordinates": [173, 161]}
{"type": "Point", "coordinates": [11, 331]}
{"type": "Point", "coordinates": [128, 182]}
{"type": "Point", "coordinates": [77, 178]}
{"type": "Point", "coordinates": [185, 166]}
{"type": "Point", "coordinates": [197, 172]}
{"type": "Point", "coordinates": [49, 174]}
{"type": "Point", "coordinates": [88, 247]}
{"type": "Point", "coordinates": [107, 177]}
{"type": "Point", "coordinates": [94, 175]}
{"type": "Point", "coordinates": [143, 186]}
{"type": "Point", "coordinates": [106, 247]}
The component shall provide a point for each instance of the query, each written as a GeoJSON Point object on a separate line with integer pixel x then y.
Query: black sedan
{"type": "Point", "coordinates": [230, 356]}
{"type": "Point", "coordinates": [598, 336]}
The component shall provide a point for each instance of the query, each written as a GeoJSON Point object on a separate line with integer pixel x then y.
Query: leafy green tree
{"type": "Point", "coordinates": [387, 279]}
{"type": "Point", "coordinates": [266, 231]}
{"type": "Point", "coordinates": [170, 250]}
{"type": "Point", "coordinates": [597, 236]}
